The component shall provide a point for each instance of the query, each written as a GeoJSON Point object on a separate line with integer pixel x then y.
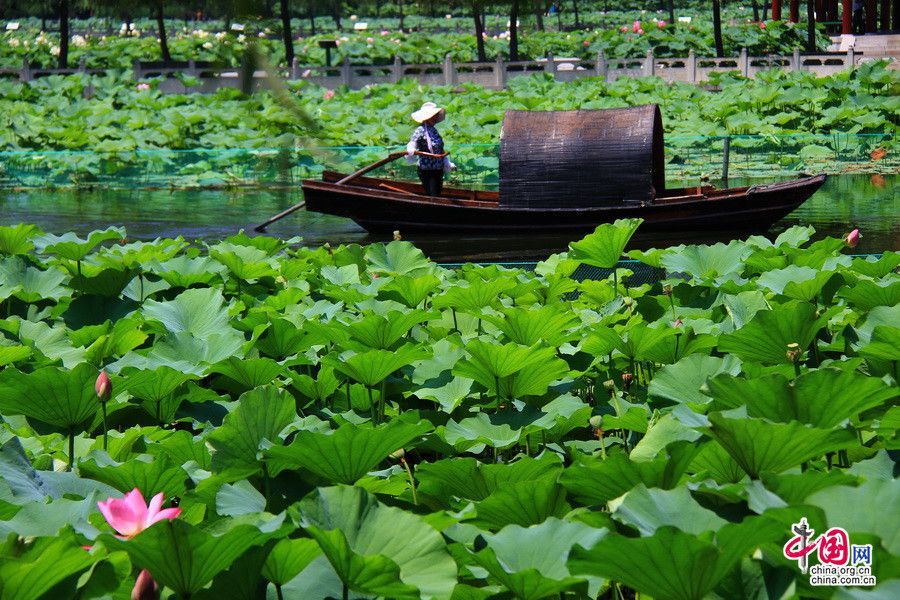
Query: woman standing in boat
{"type": "Point", "coordinates": [426, 143]}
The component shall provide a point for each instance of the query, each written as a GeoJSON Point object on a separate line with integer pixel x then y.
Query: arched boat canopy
{"type": "Point", "coordinates": [581, 158]}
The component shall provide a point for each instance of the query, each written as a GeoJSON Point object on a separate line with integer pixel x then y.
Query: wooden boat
{"type": "Point", "coordinates": [563, 171]}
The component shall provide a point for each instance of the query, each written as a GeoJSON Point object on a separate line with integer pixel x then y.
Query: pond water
{"type": "Point", "coordinates": [869, 202]}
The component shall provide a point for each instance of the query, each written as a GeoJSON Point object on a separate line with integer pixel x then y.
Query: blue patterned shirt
{"type": "Point", "coordinates": [427, 139]}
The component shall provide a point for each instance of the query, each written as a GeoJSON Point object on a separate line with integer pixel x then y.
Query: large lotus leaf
{"type": "Point", "coordinates": [184, 352]}
{"type": "Point", "coordinates": [489, 364]}
{"type": "Point", "coordinates": [283, 339]}
{"type": "Point", "coordinates": [822, 398]}
{"type": "Point", "coordinates": [474, 297]}
{"type": "Point", "coordinates": [239, 498]}
{"type": "Point", "coordinates": [346, 454]}
{"type": "Point", "coordinates": [531, 561]}
{"type": "Point", "coordinates": [884, 344]}
{"type": "Point", "coordinates": [468, 479]}
{"type": "Point", "coordinates": [646, 343]}
{"type": "Point", "coordinates": [73, 247]}
{"type": "Point", "coordinates": [52, 342]}
{"type": "Point", "coordinates": [374, 366]}
{"type": "Point", "coordinates": [38, 519]}
{"type": "Point", "coordinates": [199, 312]}
{"type": "Point", "coordinates": [601, 341]}
{"type": "Point", "coordinates": [58, 397]}
{"type": "Point", "coordinates": [766, 337]}
{"type": "Point", "coordinates": [148, 474]}
{"type": "Point", "coordinates": [800, 283]}
{"type": "Point", "coordinates": [139, 254]}
{"type": "Point", "coordinates": [260, 414]}
{"type": "Point", "coordinates": [743, 306]}
{"type": "Point", "coordinates": [383, 332]}
{"type": "Point", "coordinates": [522, 503]}
{"type": "Point", "coordinates": [244, 262]}
{"type": "Point", "coordinates": [447, 391]}
{"type": "Point", "coordinates": [30, 284]}
{"type": "Point", "coordinates": [398, 258]}
{"type": "Point", "coordinates": [288, 558]}
{"type": "Point", "coordinates": [880, 316]}
{"type": "Point", "coordinates": [248, 373]}
{"type": "Point", "coordinates": [17, 239]}
{"type": "Point", "coordinates": [98, 281]}
{"type": "Point", "coordinates": [549, 324]}
{"type": "Point", "coordinates": [604, 247]}
{"type": "Point", "coordinates": [362, 538]}
{"type": "Point", "coordinates": [682, 381]}
{"type": "Point", "coordinates": [862, 509]}
{"type": "Point", "coordinates": [866, 295]}
{"type": "Point", "coordinates": [46, 562]}
{"type": "Point", "coordinates": [410, 291]}
{"type": "Point", "coordinates": [715, 462]}
{"type": "Point", "coordinates": [876, 266]}
{"type": "Point", "coordinates": [184, 271]}
{"type": "Point", "coordinates": [672, 564]}
{"type": "Point", "coordinates": [592, 481]}
{"type": "Point", "coordinates": [649, 509]}
{"type": "Point", "coordinates": [472, 434]}
{"type": "Point", "coordinates": [185, 557]}
{"type": "Point", "coordinates": [707, 262]}
{"type": "Point", "coordinates": [151, 385]}
{"type": "Point", "coordinates": [759, 446]}
{"type": "Point", "coordinates": [13, 353]}
{"type": "Point", "coordinates": [661, 433]}
{"type": "Point", "coordinates": [794, 488]}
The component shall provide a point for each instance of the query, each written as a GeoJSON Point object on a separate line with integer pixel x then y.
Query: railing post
{"type": "Point", "coordinates": [136, 67]}
{"type": "Point", "coordinates": [795, 60]}
{"type": "Point", "coordinates": [851, 57]}
{"type": "Point", "coordinates": [25, 73]}
{"type": "Point", "coordinates": [550, 65]}
{"type": "Point", "coordinates": [346, 73]}
{"type": "Point", "coordinates": [601, 67]}
{"type": "Point", "coordinates": [500, 73]}
{"type": "Point", "coordinates": [744, 62]}
{"type": "Point", "coordinates": [295, 68]}
{"type": "Point", "coordinates": [691, 66]}
{"type": "Point", "coordinates": [449, 71]}
{"type": "Point", "coordinates": [82, 64]}
{"type": "Point", "coordinates": [396, 70]}
{"type": "Point", "coordinates": [650, 64]}
{"type": "Point", "coordinates": [192, 68]}
{"type": "Point", "coordinates": [726, 158]}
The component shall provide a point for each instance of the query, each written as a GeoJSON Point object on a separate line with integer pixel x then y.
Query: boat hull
{"type": "Point", "coordinates": [383, 210]}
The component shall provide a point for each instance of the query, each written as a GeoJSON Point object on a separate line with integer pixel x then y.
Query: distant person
{"type": "Point", "coordinates": [427, 145]}
{"type": "Point", "coordinates": [859, 17]}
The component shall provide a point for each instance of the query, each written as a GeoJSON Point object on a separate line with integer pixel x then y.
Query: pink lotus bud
{"type": "Point", "coordinates": [762, 25]}
{"type": "Point", "coordinates": [661, 24]}
{"type": "Point", "coordinates": [585, 43]}
{"type": "Point", "coordinates": [103, 386]}
{"type": "Point", "coordinates": [640, 32]}
{"type": "Point", "coordinates": [624, 28]}
{"type": "Point", "coordinates": [677, 323]}
{"type": "Point", "coordinates": [131, 515]}
{"type": "Point", "coordinates": [143, 87]}
{"type": "Point", "coordinates": [145, 588]}
{"type": "Point", "coordinates": [329, 94]}
{"type": "Point", "coordinates": [852, 238]}
{"type": "Point", "coordinates": [627, 378]}
{"type": "Point", "coordinates": [370, 40]}
{"type": "Point", "coordinates": [636, 26]}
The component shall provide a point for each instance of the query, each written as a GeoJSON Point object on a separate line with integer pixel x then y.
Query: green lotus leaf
{"type": "Point", "coordinates": [475, 297]}
{"type": "Point", "coordinates": [860, 509]}
{"type": "Point", "coordinates": [683, 381]}
{"type": "Point", "coordinates": [244, 262]}
{"type": "Point", "coordinates": [592, 481]}
{"type": "Point", "coordinates": [766, 337]}
{"type": "Point", "coordinates": [447, 391]}
{"type": "Point", "coordinates": [468, 479]}
{"type": "Point", "coordinates": [548, 324]}
{"type": "Point", "coordinates": [288, 558]}
{"type": "Point", "coordinates": [866, 295]}
{"type": "Point", "coordinates": [374, 366]}
{"type": "Point", "coordinates": [672, 564]}
{"type": "Point", "coordinates": [703, 263]}
{"type": "Point", "coordinates": [58, 397]}
{"type": "Point", "coordinates": [202, 554]}
{"type": "Point", "coordinates": [398, 258]}
{"type": "Point", "coordinates": [247, 373]}
{"type": "Point", "coordinates": [876, 266]}
{"type": "Point", "coordinates": [714, 461]}
{"type": "Point", "coordinates": [377, 549]}
{"type": "Point", "coordinates": [489, 363]}
{"type": "Point", "coordinates": [139, 254]}
{"type": "Point", "coordinates": [153, 385]}
{"type": "Point", "coordinates": [46, 563]}
{"type": "Point", "coordinates": [184, 352]}
{"type": "Point", "coordinates": [346, 454]}
{"type": "Point", "coordinates": [649, 509]}
{"type": "Point", "coordinates": [759, 446]}
{"type": "Point", "coordinates": [643, 343]}
{"type": "Point", "coordinates": [410, 291]}
{"type": "Point", "coordinates": [531, 562]}
{"type": "Point", "coordinates": [800, 283]}
{"type": "Point", "coordinates": [822, 398]}
{"type": "Point", "coordinates": [13, 353]}
{"type": "Point", "coordinates": [240, 498]}
{"type": "Point", "coordinates": [319, 389]}
{"type": "Point", "coordinates": [743, 306]}
{"type": "Point", "coordinates": [17, 239]}
{"type": "Point", "coordinates": [151, 475]}
{"type": "Point", "coordinates": [73, 247]}
{"type": "Point", "coordinates": [183, 271]}
{"type": "Point", "coordinates": [259, 415]}
{"type": "Point", "coordinates": [472, 434]}
{"type": "Point", "coordinates": [794, 488]}
{"type": "Point", "coordinates": [884, 344]}
{"type": "Point", "coordinates": [42, 520]}
{"type": "Point", "coordinates": [198, 312]}
{"type": "Point", "coordinates": [661, 433]}
{"type": "Point", "coordinates": [522, 503]}
{"type": "Point", "coordinates": [51, 342]}
{"type": "Point", "coordinates": [604, 247]}
{"type": "Point", "coordinates": [99, 281]}
{"type": "Point", "coordinates": [383, 332]}
{"type": "Point", "coordinates": [30, 284]}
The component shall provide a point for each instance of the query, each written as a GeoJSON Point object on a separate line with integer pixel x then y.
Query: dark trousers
{"type": "Point", "coordinates": [433, 180]}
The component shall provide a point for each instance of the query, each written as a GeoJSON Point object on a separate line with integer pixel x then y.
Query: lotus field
{"type": "Point", "coordinates": [250, 418]}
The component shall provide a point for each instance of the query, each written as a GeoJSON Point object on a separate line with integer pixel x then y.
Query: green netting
{"type": "Point", "coordinates": [641, 273]}
{"type": "Point", "coordinates": [687, 158]}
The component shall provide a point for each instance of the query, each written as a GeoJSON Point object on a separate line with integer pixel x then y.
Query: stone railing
{"type": "Point", "coordinates": [493, 74]}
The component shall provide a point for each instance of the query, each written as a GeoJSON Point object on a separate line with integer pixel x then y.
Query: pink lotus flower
{"type": "Point", "coordinates": [640, 31]}
{"type": "Point", "coordinates": [677, 323]}
{"type": "Point", "coordinates": [131, 515]}
{"type": "Point", "coordinates": [852, 238]}
{"type": "Point", "coordinates": [103, 386]}
{"type": "Point", "coordinates": [585, 43]}
{"type": "Point", "coordinates": [624, 29]}
{"type": "Point", "coordinates": [369, 40]}
{"type": "Point", "coordinates": [636, 26]}
{"type": "Point", "coordinates": [762, 25]}
{"type": "Point", "coordinates": [661, 24]}
{"type": "Point", "coordinates": [329, 94]}
{"type": "Point", "coordinates": [145, 588]}
{"type": "Point", "coordinates": [143, 87]}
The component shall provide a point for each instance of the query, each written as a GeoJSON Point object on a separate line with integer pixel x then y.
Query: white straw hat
{"type": "Point", "coordinates": [428, 110]}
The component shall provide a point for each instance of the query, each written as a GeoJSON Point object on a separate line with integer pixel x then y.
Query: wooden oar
{"type": "Point", "coordinates": [390, 157]}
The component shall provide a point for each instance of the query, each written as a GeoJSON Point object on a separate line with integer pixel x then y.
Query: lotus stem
{"type": "Point", "coordinates": [382, 401]}
{"type": "Point", "coordinates": [672, 304]}
{"type": "Point", "coordinates": [455, 324]}
{"type": "Point", "coordinates": [71, 450]}
{"type": "Point", "coordinates": [616, 281]}
{"type": "Point", "coordinates": [278, 592]}
{"type": "Point", "coordinates": [372, 408]}
{"type": "Point", "coordinates": [141, 284]}
{"type": "Point", "coordinates": [527, 446]}
{"type": "Point", "coordinates": [105, 427]}
{"type": "Point", "coordinates": [412, 480]}
{"type": "Point", "coordinates": [345, 594]}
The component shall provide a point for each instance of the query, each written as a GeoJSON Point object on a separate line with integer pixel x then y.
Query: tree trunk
{"type": "Point", "coordinates": [717, 28]}
{"type": "Point", "coordinates": [402, 16]}
{"type": "Point", "coordinates": [336, 15]}
{"type": "Point", "coordinates": [161, 27]}
{"type": "Point", "coordinates": [671, 4]}
{"type": "Point", "coordinates": [575, 6]}
{"type": "Point", "coordinates": [811, 26]}
{"type": "Point", "coordinates": [286, 34]}
{"type": "Point", "coordinates": [479, 32]}
{"type": "Point", "coordinates": [755, 10]}
{"type": "Point", "coordinates": [539, 17]}
{"type": "Point", "coordinates": [312, 20]}
{"type": "Point", "coordinates": [63, 34]}
{"type": "Point", "coordinates": [514, 30]}
{"type": "Point", "coordinates": [765, 15]}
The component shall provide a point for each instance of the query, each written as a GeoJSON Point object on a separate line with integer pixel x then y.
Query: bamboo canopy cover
{"type": "Point", "coordinates": [581, 158]}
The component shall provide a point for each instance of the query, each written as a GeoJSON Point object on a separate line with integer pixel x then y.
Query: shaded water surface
{"type": "Point", "coordinates": [871, 203]}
